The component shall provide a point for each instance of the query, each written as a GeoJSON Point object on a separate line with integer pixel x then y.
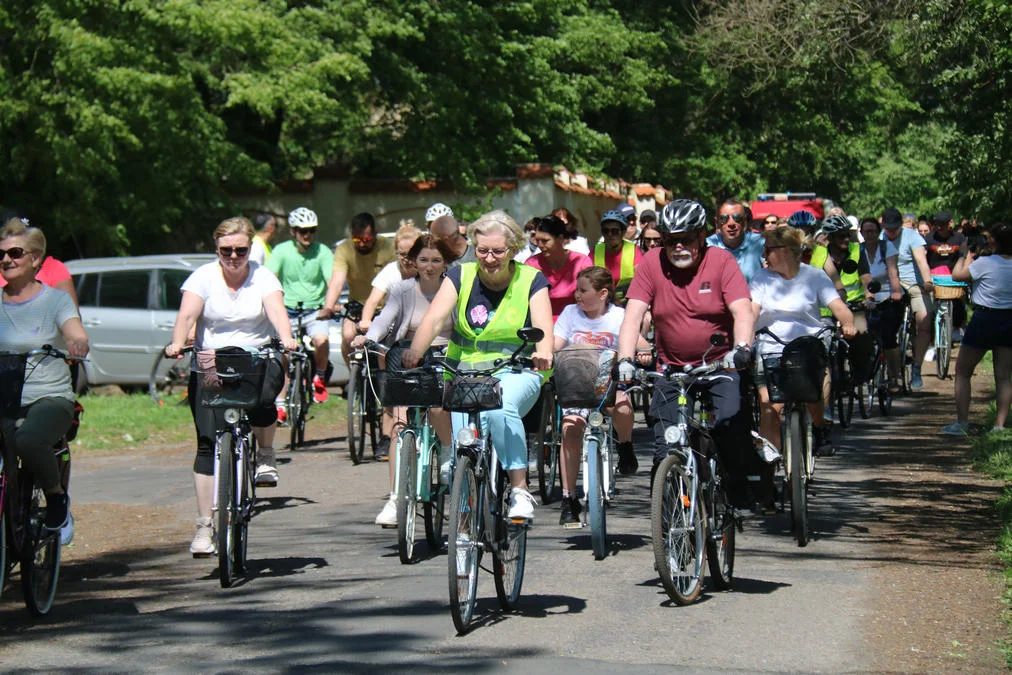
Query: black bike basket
{"type": "Point", "coordinates": [583, 377]}
{"type": "Point", "coordinates": [797, 374]}
{"type": "Point", "coordinates": [466, 393]}
{"type": "Point", "coordinates": [231, 378]}
{"type": "Point", "coordinates": [415, 388]}
{"type": "Point", "coordinates": [12, 383]}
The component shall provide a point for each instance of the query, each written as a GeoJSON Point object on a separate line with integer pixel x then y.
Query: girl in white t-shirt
{"type": "Point", "coordinates": [593, 320]}
{"type": "Point", "coordinates": [787, 297]}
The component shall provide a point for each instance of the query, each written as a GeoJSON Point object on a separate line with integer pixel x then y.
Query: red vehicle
{"type": "Point", "coordinates": [783, 204]}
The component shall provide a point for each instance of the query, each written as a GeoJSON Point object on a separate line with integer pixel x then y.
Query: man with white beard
{"type": "Point", "coordinates": [694, 291]}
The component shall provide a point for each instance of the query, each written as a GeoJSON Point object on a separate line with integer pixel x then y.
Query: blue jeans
{"type": "Point", "coordinates": [505, 426]}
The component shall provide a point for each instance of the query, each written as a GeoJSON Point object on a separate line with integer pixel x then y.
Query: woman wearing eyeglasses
{"type": "Point", "coordinates": [559, 265]}
{"type": "Point", "coordinates": [233, 303]}
{"type": "Point", "coordinates": [489, 301]}
{"type": "Point", "coordinates": [650, 237]}
{"type": "Point", "coordinates": [32, 315]}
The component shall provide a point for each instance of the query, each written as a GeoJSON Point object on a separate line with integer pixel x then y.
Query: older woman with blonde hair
{"type": "Point", "coordinates": [489, 301]}
{"type": "Point", "coordinates": [32, 315]}
{"type": "Point", "coordinates": [233, 303]}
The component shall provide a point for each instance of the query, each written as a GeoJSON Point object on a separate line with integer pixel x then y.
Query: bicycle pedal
{"type": "Point", "coordinates": [266, 484]}
{"type": "Point", "coordinates": [572, 526]}
{"type": "Point", "coordinates": [519, 521]}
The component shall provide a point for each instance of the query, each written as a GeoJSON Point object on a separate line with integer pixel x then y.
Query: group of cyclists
{"type": "Point", "coordinates": [656, 288]}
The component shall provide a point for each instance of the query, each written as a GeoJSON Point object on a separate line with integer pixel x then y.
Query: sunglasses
{"type": "Point", "coordinates": [15, 253]}
{"type": "Point", "coordinates": [738, 218]}
{"type": "Point", "coordinates": [363, 240]}
{"type": "Point", "coordinates": [611, 231]}
{"type": "Point", "coordinates": [227, 251]}
{"type": "Point", "coordinates": [673, 240]}
{"type": "Point", "coordinates": [304, 230]}
{"type": "Point", "coordinates": [652, 241]}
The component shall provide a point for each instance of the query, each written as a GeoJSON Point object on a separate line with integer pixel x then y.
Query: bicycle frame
{"type": "Point", "coordinates": [602, 432]}
{"type": "Point", "coordinates": [425, 443]}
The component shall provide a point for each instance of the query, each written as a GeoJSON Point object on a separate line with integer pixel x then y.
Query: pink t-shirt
{"type": "Point", "coordinates": [562, 281]}
{"type": "Point", "coordinates": [689, 306]}
{"type": "Point", "coordinates": [50, 273]}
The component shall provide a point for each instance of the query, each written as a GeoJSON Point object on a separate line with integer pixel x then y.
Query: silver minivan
{"type": "Point", "coordinates": [129, 306]}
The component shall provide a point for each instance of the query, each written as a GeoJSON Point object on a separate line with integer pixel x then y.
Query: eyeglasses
{"type": "Point", "coordinates": [15, 253]}
{"type": "Point", "coordinates": [304, 230]}
{"type": "Point", "coordinates": [686, 240]}
{"type": "Point", "coordinates": [227, 251]}
{"type": "Point", "coordinates": [766, 251]}
{"type": "Point", "coordinates": [737, 217]}
{"type": "Point", "coordinates": [650, 242]}
{"type": "Point", "coordinates": [494, 252]}
{"type": "Point", "coordinates": [363, 240]}
{"type": "Point", "coordinates": [771, 221]}
{"type": "Point", "coordinates": [611, 231]}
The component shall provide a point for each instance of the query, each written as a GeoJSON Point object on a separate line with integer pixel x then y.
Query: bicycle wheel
{"type": "Point", "coordinates": [906, 344]}
{"type": "Point", "coordinates": [943, 339]}
{"type": "Point", "coordinates": [168, 376]}
{"type": "Point", "coordinates": [845, 406]}
{"type": "Point", "coordinates": [546, 450]}
{"type": "Point", "coordinates": [306, 391]}
{"type": "Point", "coordinates": [356, 414]}
{"type": "Point", "coordinates": [595, 500]}
{"type": "Point", "coordinates": [3, 536]}
{"type": "Point", "coordinates": [865, 399]}
{"type": "Point", "coordinates": [795, 444]}
{"type": "Point", "coordinates": [407, 497]}
{"type": "Point", "coordinates": [885, 397]}
{"type": "Point", "coordinates": [464, 544]}
{"type": "Point", "coordinates": [40, 559]}
{"type": "Point", "coordinates": [246, 486]}
{"type": "Point", "coordinates": [434, 510]}
{"type": "Point", "coordinates": [677, 529]}
{"type": "Point", "coordinates": [510, 551]}
{"type": "Point", "coordinates": [224, 532]}
{"type": "Point", "coordinates": [720, 538]}
{"type": "Point", "coordinates": [295, 386]}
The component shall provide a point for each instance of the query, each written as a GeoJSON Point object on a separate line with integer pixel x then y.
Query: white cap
{"type": "Point", "coordinates": [853, 222]}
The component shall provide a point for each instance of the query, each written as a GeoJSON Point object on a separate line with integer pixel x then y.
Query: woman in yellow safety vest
{"type": "Point", "coordinates": [616, 255]}
{"type": "Point", "coordinates": [489, 301]}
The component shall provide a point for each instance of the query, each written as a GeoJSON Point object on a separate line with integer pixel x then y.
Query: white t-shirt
{"type": "Point", "coordinates": [387, 277]}
{"type": "Point", "coordinates": [992, 282]}
{"type": "Point", "coordinates": [576, 328]}
{"type": "Point", "coordinates": [790, 307]}
{"type": "Point", "coordinates": [579, 245]}
{"type": "Point", "coordinates": [232, 319]}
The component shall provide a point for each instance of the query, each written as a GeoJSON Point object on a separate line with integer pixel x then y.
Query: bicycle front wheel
{"type": "Point", "coordinates": [356, 414]}
{"type": "Point", "coordinates": [677, 530]}
{"type": "Point", "coordinates": [435, 509]}
{"type": "Point", "coordinates": [245, 481]}
{"type": "Point", "coordinates": [795, 444]}
{"type": "Point", "coordinates": [943, 339]}
{"type": "Point", "coordinates": [226, 516]}
{"type": "Point", "coordinates": [596, 513]}
{"type": "Point", "coordinates": [464, 544]}
{"type": "Point", "coordinates": [407, 497]}
{"type": "Point", "coordinates": [906, 344]}
{"type": "Point", "coordinates": [546, 449]}
{"type": "Point", "coordinates": [510, 552]}
{"type": "Point", "coordinates": [3, 540]}
{"type": "Point", "coordinates": [295, 387]}
{"type": "Point", "coordinates": [720, 538]}
{"type": "Point", "coordinates": [40, 560]}
{"type": "Point", "coordinates": [168, 376]}
{"type": "Point", "coordinates": [885, 397]}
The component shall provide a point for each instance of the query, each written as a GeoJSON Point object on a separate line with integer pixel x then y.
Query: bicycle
{"type": "Point", "coordinates": [691, 518]}
{"type": "Point", "coordinates": [480, 496]}
{"type": "Point", "coordinates": [364, 408]}
{"type": "Point", "coordinates": [299, 397]}
{"type": "Point", "coordinates": [169, 375]}
{"type": "Point", "coordinates": [36, 550]}
{"type": "Point", "coordinates": [545, 443]}
{"type": "Point", "coordinates": [907, 339]}
{"type": "Point", "coordinates": [794, 378]}
{"type": "Point", "coordinates": [947, 292]}
{"type": "Point", "coordinates": [232, 379]}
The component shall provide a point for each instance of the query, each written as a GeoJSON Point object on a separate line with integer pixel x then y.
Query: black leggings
{"type": "Point", "coordinates": [207, 421]}
{"type": "Point", "coordinates": [44, 423]}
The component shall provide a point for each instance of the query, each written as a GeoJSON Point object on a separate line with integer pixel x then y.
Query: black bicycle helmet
{"type": "Point", "coordinates": [835, 223]}
{"type": "Point", "coordinates": [682, 215]}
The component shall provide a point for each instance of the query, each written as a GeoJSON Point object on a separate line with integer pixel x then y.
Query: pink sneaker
{"type": "Point", "coordinates": [320, 393]}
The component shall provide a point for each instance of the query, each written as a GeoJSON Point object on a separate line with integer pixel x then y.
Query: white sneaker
{"type": "Point", "coordinates": [445, 466]}
{"type": "Point", "coordinates": [930, 354]}
{"type": "Point", "coordinates": [67, 531]}
{"type": "Point", "coordinates": [202, 545]}
{"type": "Point", "coordinates": [388, 516]}
{"type": "Point", "coordinates": [267, 471]}
{"type": "Point", "coordinates": [521, 504]}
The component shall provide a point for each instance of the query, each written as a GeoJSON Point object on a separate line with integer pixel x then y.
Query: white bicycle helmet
{"type": "Point", "coordinates": [436, 210]}
{"type": "Point", "coordinates": [303, 218]}
{"type": "Point", "coordinates": [682, 215]}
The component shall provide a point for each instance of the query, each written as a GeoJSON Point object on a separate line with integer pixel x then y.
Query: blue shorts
{"type": "Point", "coordinates": [989, 329]}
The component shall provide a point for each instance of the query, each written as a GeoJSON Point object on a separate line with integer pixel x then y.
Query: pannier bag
{"type": "Point", "coordinates": [583, 376]}
{"type": "Point", "coordinates": [797, 374]}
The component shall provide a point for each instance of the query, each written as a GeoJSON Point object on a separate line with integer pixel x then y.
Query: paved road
{"type": "Point", "coordinates": [327, 591]}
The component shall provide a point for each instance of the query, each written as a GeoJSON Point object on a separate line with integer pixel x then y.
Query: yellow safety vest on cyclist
{"type": "Point", "coordinates": [626, 269]}
{"type": "Point", "coordinates": [851, 281]}
{"type": "Point", "coordinates": [499, 337]}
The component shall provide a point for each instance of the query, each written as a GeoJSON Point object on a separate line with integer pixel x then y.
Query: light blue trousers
{"type": "Point", "coordinates": [506, 426]}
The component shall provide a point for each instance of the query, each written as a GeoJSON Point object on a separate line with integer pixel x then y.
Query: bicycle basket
{"type": "Point", "coordinates": [466, 393]}
{"type": "Point", "coordinates": [797, 374]}
{"type": "Point", "coordinates": [12, 383]}
{"type": "Point", "coordinates": [416, 387]}
{"type": "Point", "coordinates": [863, 356]}
{"type": "Point", "coordinates": [231, 378]}
{"type": "Point", "coordinates": [583, 376]}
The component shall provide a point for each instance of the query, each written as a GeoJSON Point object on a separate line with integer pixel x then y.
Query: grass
{"type": "Point", "coordinates": [128, 421]}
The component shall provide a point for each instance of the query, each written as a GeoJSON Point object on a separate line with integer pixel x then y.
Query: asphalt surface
{"type": "Point", "coordinates": [327, 592]}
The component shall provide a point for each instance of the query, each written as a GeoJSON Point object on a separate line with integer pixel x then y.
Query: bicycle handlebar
{"type": "Point", "coordinates": [766, 331]}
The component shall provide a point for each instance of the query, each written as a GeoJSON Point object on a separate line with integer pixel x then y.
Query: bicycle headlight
{"type": "Point", "coordinates": [465, 437]}
{"type": "Point", "coordinates": [674, 435]}
{"type": "Point", "coordinates": [595, 419]}
{"type": "Point", "coordinates": [232, 415]}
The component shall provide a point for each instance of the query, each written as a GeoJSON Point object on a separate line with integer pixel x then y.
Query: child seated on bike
{"type": "Point", "coordinates": [593, 321]}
